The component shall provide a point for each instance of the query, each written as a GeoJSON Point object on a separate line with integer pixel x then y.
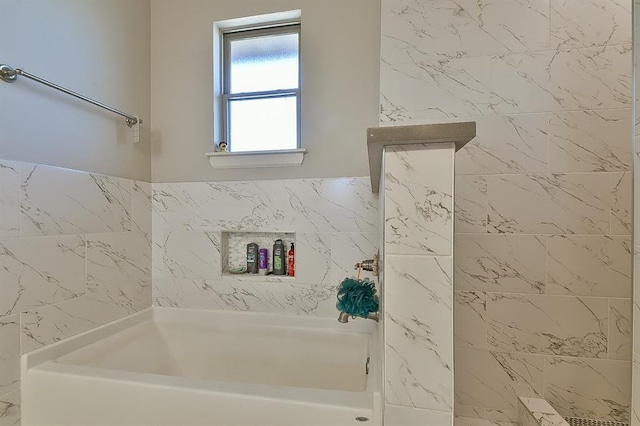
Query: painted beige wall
{"type": "Point", "coordinates": [340, 67]}
{"type": "Point", "coordinates": [99, 48]}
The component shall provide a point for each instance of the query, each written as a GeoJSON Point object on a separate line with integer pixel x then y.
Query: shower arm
{"type": "Point", "coordinates": [10, 75]}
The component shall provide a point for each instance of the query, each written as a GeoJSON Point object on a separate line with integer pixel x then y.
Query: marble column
{"type": "Point", "coordinates": [418, 284]}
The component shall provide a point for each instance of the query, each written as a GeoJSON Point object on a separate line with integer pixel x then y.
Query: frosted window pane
{"type": "Point", "coordinates": [263, 124]}
{"type": "Point", "coordinates": [264, 63]}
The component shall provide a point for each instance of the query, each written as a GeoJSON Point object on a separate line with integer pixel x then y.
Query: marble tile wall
{"type": "Point", "coordinates": [543, 193]}
{"type": "Point", "coordinates": [418, 284]}
{"type": "Point", "coordinates": [635, 387]}
{"type": "Point", "coordinates": [75, 253]}
{"type": "Point", "coordinates": [335, 222]}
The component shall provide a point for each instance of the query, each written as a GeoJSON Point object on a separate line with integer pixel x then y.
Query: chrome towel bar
{"type": "Point", "coordinates": [9, 75]}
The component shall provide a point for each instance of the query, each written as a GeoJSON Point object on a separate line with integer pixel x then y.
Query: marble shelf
{"type": "Point", "coordinates": [379, 137]}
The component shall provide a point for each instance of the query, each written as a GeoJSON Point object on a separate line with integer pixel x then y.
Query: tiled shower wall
{"type": "Point", "coordinates": [335, 222]}
{"type": "Point", "coordinates": [635, 400]}
{"type": "Point", "coordinates": [75, 253]}
{"type": "Point", "coordinates": [543, 194]}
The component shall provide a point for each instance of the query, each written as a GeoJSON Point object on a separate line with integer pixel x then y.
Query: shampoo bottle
{"type": "Point", "coordinates": [252, 258]}
{"type": "Point", "coordinates": [278, 258]}
{"type": "Point", "coordinates": [291, 262]}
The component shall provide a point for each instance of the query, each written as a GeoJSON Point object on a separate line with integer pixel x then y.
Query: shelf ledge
{"type": "Point", "coordinates": [253, 159]}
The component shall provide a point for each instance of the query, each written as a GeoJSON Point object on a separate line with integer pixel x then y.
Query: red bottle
{"type": "Point", "coordinates": [291, 262]}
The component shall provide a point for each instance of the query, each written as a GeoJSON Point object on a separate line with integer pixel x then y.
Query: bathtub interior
{"type": "Point", "coordinates": [220, 348]}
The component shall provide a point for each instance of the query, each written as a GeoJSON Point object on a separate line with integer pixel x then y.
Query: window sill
{"type": "Point", "coordinates": [253, 159]}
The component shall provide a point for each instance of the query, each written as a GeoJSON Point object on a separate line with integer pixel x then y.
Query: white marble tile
{"type": "Point", "coordinates": [505, 263]}
{"type": "Point", "coordinates": [436, 90]}
{"type": "Point", "coordinates": [9, 353]}
{"type": "Point", "coordinates": [469, 319]}
{"type": "Point", "coordinates": [589, 265]}
{"type": "Point", "coordinates": [418, 299]}
{"type": "Point", "coordinates": [445, 29]}
{"type": "Point", "coordinates": [38, 271]}
{"type": "Point", "coordinates": [395, 415]}
{"type": "Point", "coordinates": [506, 144]}
{"type": "Point", "coordinates": [621, 201]}
{"type": "Point", "coordinates": [313, 259]}
{"type": "Point", "coordinates": [330, 205]}
{"type": "Point", "coordinates": [523, 82]}
{"type": "Point", "coordinates": [63, 201]}
{"type": "Point", "coordinates": [9, 199]}
{"type": "Point", "coordinates": [588, 388]}
{"type": "Point", "coordinates": [549, 203]}
{"type": "Point", "coordinates": [242, 205]}
{"type": "Point", "coordinates": [141, 206]}
{"type": "Point", "coordinates": [495, 379]}
{"type": "Point", "coordinates": [256, 296]}
{"type": "Point", "coordinates": [590, 141]}
{"type": "Point", "coordinates": [471, 421]}
{"type": "Point", "coordinates": [186, 254]}
{"type": "Point", "coordinates": [620, 331]}
{"type": "Point", "coordinates": [592, 78]}
{"type": "Point", "coordinates": [347, 249]}
{"type": "Point", "coordinates": [561, 325]}
{"type": "Point", "coordinates": [586, 23]}
{"type": "Point", "coordinates": [470, 204]}
{"type": "Point", "coordinates": [118, 258]}
{"type": "Point", "coordinates": [10, 409]}
{"type": "Point", "coordinates": [418, 200]}
{"type": "Point", "coordinates": [49, 324]}
{"type": "Point", "coordinates": [635, 410]}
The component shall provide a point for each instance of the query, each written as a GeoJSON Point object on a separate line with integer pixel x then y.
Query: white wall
{"type": "Point", "coordinates": [340, 67]}
{"type": "Point", "coordinates": [99, 48]}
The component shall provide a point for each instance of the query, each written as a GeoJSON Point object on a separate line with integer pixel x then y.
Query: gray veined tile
{"type": "Point", "coordinates": [201, 206]}
{"type": "Point", "coordinates": [493, 380]}
{"type": "Point", "coordinates": [589, 265]}
{"type": "Point", "coordinates": [282, 298]}
{"type": "Point", "coordinates": [549, 203]}
{"type": "Point", "coordinates": [470, 327]}
{"type": "Point", "coordinates": [39, 271]}
{"type": "Point", "coordinates": [592, 78]}
{"type": "Point", "coordinates": [620, 332]}
{"type": "Point", "coordinates": [561, 325]}
{"type": "Point", "coordinates": [10, 409]}
{"type": "Point", "coordinates": [349, 248]}
{"type": "Point", "coordinates": [116, 259]}
{"type": "Point", "coordinates": [49, 324]}
{"type": "Point", "coordinates": [418, 298]}
{"type": "Point", "coordinates": [522, 82]}
{"type": "Point", "coordinates": [411, 416]}
{"type": "Point", "coordinates": [621, 201]}
{"type": "Point", "coordinates": [330, 205]}
{"type": "Point", "coordinates": [590, 141]}
{"type": "Point", "coordinates": [506, 144]}
{"type": "Point", "coordinates": [588, 388]}
{"type": "Point", "coordinates": [186, 254]}
{"type": "Point", "coordinates": [313, 259]}
{"type": "Point", "coordinates": [470, 204]}
{"type": "Point", "coordinates": [418, 200]}
{"type": "Point", "coordinates": [580, 23]}
{"type": "Point", "coordinates": [444, 29]}
{"type": "Point", "coordinates": [62, 201]}
{"type": "Point", "coordinates": [9, 353]}
{"type": "Point", "coordinates": [141, 206]}
{"type": "Point", "coordinates": [461, 87]}
{"type": "Point", "coordinates": [503, 263]}
{"type": "Point", "coordinates": [9, 199]}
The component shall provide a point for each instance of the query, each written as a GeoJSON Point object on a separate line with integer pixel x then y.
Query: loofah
{"type": "Point", "coordinates": [357, 297]}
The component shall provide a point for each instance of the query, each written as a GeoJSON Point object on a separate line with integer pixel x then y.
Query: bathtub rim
{"type": "Point", "coordinates": [45, 359]}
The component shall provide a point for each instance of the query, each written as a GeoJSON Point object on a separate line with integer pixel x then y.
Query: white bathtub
{"type": "Point", "coordinates": [169, 366]}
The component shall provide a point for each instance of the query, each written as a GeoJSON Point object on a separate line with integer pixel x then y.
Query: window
{"type": "Point", "coordinates": [261, 88]}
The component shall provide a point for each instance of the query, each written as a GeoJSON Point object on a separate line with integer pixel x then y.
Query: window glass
{"type": "Point", "coordinates": [263, 124]}
{"type": "Point", "coordinates": [268, 62]}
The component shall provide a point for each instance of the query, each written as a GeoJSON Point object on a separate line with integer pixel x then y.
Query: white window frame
{"type": "Point", "coordinates": [230, 35]}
